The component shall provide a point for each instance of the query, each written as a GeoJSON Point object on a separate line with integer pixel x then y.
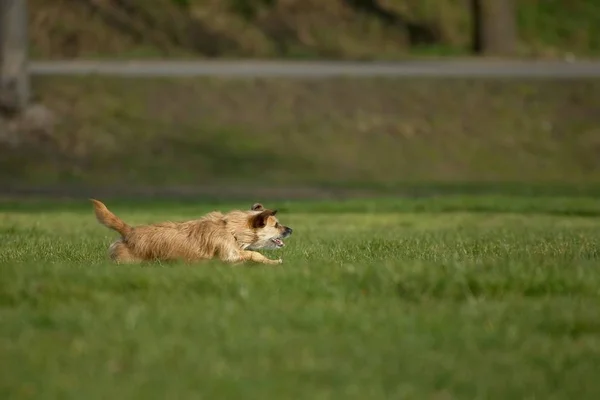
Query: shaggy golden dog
{"type": "Point", "coordinates": [232, 237]}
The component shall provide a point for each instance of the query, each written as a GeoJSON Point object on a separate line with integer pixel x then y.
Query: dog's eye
{"type": "Point", "coordinates": [277, 225]}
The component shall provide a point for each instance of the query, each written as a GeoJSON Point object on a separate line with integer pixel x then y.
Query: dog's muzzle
{"type": "Point", "coordinates": [278, 241]}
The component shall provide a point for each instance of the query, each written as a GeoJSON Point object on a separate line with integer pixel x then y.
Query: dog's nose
{"type": "Point", "coordinates": [288, 231]}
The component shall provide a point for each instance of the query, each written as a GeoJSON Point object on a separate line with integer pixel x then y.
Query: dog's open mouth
{"type": "Point", "coordinates": [278, 242]}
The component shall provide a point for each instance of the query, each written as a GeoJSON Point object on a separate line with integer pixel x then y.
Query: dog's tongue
{"type": "Point", "coordinates": [278, 242]}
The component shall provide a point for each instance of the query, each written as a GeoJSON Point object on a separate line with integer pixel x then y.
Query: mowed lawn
{"type": "Point", "coordinates": [440, 298]}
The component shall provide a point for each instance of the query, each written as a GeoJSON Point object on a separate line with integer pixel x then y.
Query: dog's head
{"type": "Point", "coordinates": [268, 232]}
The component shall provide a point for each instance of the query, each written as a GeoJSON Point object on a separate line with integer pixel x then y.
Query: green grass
{"type": "Point", "coordinates": [452, 297]}
{"type": "Point", "coordinates": [199, 132]}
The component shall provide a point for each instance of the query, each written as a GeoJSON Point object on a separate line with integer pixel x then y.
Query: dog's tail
{"type": "Point", "coordinates": [110, 220]}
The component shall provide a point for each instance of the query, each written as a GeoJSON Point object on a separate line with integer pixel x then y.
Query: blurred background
{"type": "Point", "coordinates": [399, 123]}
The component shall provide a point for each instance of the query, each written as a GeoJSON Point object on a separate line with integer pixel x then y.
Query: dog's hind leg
{"type": "Point", "coordinates": [119, 253]}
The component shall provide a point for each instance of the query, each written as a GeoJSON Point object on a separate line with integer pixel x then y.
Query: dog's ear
{"type": "Point", "coordinates": [260, 220]}
{"type": "Point", "coordinates": [257, 207]}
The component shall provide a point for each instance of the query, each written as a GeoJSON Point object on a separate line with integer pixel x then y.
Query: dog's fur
{"type": "Point", "coordinates": [232, 237]}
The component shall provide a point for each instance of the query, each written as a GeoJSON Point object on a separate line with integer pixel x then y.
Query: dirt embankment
{"type": "Point", "coordinates": [342, 29]}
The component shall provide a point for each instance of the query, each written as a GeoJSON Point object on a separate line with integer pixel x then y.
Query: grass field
{"type": "Point", "coordinates": [198, 132]}
{"type": "Point", "coordinates": [470, 297]}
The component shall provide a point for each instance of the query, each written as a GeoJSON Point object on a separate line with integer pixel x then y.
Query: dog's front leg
{"type": "Point", "coordinates": [255, 256]}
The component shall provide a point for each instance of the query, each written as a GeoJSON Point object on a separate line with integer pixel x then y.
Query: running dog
{"type": "Point", "coordinates": [232, 237]}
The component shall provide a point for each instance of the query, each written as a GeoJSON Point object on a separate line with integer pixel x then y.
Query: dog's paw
{"type": "Point", "coordinates": [278, 261]}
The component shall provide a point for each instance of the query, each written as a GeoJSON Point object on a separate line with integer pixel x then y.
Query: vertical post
{"type": "Point", "coordinates": [14, 77]}
{"type": "Point", "coordinates": [494, 27]}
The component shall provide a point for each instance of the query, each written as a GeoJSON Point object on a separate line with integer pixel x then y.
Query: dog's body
{"type": "Point", "coordinates": [231, 237]}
